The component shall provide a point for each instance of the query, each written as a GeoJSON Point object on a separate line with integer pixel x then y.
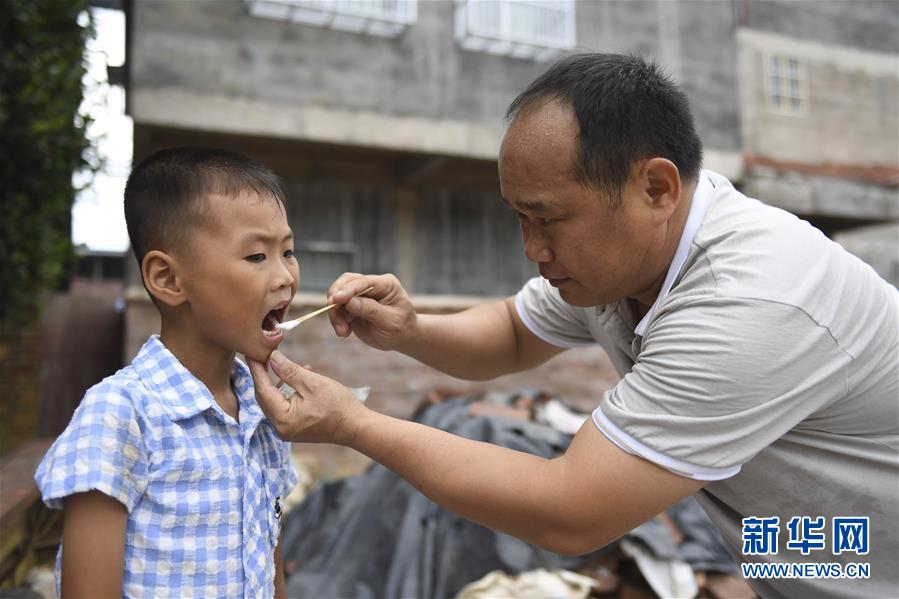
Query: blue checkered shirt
{"type": "Point", "coordinates": [202, 491]}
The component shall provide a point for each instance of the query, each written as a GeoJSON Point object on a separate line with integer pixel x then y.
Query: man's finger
{"type": "Point", "coordinates": [287, 371]}
{"type": "Point", "coordinates": [268, 396]}
{"type": "Point", "coordinates": [340, 320]}
{"type": "Point", "coordinates": [346, 292]}
{"type": "Point", "coordinates": [366, 308]}
{"type": "Point", "coordinates": [340, 283]}
{"type": "Point", "coordinates": [261, 380]}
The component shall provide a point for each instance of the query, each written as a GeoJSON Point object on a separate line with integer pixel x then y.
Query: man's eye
{"type": "Point", "coordinates": [547, 221]}
{"type": "Point", "coordinates": [289, 254]}
{"type": "Point", "coordinates": [255, 258]}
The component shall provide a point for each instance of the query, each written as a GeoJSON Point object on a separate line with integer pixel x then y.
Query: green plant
{"type": "Point", "coordinates": [42, 47]}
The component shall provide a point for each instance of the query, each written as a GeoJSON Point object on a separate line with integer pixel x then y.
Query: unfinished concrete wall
{"type": "Point", "coordinates": [850, 96]}
{"type": "Point", "coordinates": [864, 24]}
{"type": "Point", "coordinates": [837, 154]}
{"type": "Point", "coordinates": [214, 67]}
{"type": "Point", "coordinates": [877, 245]}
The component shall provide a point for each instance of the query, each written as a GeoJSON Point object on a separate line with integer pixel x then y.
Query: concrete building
{"type": "Point", "coordinates": [384, 119]}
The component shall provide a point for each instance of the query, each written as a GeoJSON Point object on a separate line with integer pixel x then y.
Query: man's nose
{"type": "Point", "coordinates": [536, 249]}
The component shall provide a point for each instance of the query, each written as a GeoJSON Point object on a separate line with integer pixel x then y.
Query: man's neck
{"type": "Point", "coordinates": [210, 364]}
{"type": "Point", "coordinates": [644, 301]}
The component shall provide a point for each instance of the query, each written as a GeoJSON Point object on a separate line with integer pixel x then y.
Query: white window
{"type": "Point", "coordinates": [538, 29]}
{"type": "Point", "coordinates": [786, 84]}
{"type": "Point", "coordinates": [383, 18]}
{"type": "Point", "coordinates": [320, 260]}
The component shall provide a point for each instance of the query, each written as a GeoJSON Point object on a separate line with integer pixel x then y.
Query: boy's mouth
{"type": "Point", "coordinates": [274, 316]}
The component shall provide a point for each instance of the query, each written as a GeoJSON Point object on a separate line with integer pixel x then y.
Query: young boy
{"type": "Point", "coordinates": [171, 478]}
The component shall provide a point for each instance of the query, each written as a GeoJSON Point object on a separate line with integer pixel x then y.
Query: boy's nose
{"type": "Point", "coordinates": [284, 276]}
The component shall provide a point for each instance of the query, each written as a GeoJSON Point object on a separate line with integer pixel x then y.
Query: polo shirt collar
{"type": "Point", "coordinates": [181, 394]}
{"type": "Point", "coordinates": [702, 199]}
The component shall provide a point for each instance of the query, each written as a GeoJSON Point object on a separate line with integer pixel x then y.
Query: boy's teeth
{"type": "Point", "coordinates": [271, 319]}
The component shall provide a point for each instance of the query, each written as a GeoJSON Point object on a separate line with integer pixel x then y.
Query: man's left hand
{"type": "Point", "coordinates": [321, 410]}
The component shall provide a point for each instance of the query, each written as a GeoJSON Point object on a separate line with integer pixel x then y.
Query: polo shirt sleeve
{"type": "Point", "coordinates": [101, 450]}
{"type": "Point", "coordinates": [717, 381]}
{"type": "Point", "coordinates": [549, 317]}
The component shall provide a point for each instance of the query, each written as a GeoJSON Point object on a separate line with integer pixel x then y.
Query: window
{"type": "Point", "coordinates": [320, 260]}
{"type": "Point", "coordinates": [538, 29]}
{"type": "Point", "coordinates": [383, 18]}
{"type": "Point", "coordinates": [786, 84]}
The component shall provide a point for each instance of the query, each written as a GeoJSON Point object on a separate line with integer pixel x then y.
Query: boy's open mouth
{"type": "Point", "coordinates": [274, 316]}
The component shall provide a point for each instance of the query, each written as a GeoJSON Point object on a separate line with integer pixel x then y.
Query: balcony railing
{"type": "Point", "coordinates": [383, 18]}
{"type": "Point", "coordinates": [538, 29]}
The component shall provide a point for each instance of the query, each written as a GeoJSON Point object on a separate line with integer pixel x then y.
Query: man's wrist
{"type": "Point", "coordinates": [415, 339]}
{"type": "Point", "coordinates": [355, 420]}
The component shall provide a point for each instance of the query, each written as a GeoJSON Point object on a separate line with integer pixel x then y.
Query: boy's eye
{"type": "Point", "coordinates": [256, 258]}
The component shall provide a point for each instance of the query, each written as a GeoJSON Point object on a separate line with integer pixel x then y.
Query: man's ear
{"type": "Point", "coordinates": [161, 278]}
{"type": "Point", "coordinates": [662, 187]}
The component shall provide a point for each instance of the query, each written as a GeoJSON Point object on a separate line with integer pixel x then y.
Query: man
{"type": "Point", "coordinates": [758, 359]}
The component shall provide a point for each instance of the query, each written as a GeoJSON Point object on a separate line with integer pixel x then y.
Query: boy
{"type": "Point", "coordinates": [170, 476]}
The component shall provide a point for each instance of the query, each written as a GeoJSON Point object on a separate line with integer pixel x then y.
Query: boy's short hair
{"type": "Point", "coordinates": [163, 195]}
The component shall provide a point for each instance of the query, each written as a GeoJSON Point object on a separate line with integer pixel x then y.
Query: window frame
{"type": "Point", "coordinates": [354, 16]}
{"type": "Point", "coordinates": [783, 101]}
{"type": "Point", "coordinates": [502, 40]}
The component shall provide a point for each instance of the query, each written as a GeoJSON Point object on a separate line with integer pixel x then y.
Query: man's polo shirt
{"type": "Point", "coordinates": [202, 490]}
{"type": "Point", "coordinates": [769, 366]}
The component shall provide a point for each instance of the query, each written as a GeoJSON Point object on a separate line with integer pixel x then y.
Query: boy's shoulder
{"type": "Point", "coordinates": [124, 384]}
{"type": "Point", "coordinates": [127, 388]}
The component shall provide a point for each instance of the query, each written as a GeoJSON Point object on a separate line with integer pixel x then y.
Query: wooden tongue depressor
{"type": "Point", "coordinates": [291, 324]}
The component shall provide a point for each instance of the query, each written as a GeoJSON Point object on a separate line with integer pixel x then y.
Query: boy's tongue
{"type": "Point", "coordinates": [269, 322]}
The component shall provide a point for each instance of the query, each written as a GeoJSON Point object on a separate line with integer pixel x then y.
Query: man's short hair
{"type": "Point", "coordinates": [627, 110]}
{"type": "Point", "coordinates": [164, 193]}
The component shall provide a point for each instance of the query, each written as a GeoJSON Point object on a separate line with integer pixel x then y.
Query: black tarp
{"type": "Point", "coordinates": [374, 536]}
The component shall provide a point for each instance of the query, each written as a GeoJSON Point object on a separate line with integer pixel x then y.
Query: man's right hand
{"type": "Point", "coordinates": [384, 318]}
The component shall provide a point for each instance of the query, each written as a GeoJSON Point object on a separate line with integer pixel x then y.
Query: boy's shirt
{"type": "Point", "coordinates": [203, 492]}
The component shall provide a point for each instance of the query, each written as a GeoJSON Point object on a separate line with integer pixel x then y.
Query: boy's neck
{"type": "Point", "coordinates": [211, 364]}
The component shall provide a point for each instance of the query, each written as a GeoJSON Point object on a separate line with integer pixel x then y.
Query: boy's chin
{"type": "Point", "coordinates": [258, 355]}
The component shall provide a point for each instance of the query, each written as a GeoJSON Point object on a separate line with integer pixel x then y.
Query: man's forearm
{"type": "Point", "coordinates": [506, 490]}
{"type": "Point", "coordinates": [477, 344]}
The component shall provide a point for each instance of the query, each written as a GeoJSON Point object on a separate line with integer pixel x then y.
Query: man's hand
{"type": "Point", "coordinates": [320, 411]}
{"type": "Point", "coordinates": [383, 319]}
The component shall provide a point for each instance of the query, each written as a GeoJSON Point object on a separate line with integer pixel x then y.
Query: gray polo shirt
{"type": "Point", "coordinates": [769, 366]}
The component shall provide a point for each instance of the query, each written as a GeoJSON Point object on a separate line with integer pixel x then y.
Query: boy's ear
{"type": "Point", "coordinates": [161, 278]}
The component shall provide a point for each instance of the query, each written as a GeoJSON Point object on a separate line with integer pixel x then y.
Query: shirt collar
{"type": "Point", "coordinates": [702, 199]}
{"type": "Point", "coordinates": [183, 395]}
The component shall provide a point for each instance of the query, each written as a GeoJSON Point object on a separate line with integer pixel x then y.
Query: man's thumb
{"type": "Point", "coordinates": [286, 370]}
{"type": "Point", "coordinates": [364, 307]}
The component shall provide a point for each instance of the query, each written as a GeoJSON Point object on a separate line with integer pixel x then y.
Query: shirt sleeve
{"type": "Point", "coordinates": [289, 476]}
{"type": "Point", "coordinates": [549, 317]}
{"type": "Point", "coordinates": [101, 450]}
{"type": "Point", "coordinates": [719, 380]}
